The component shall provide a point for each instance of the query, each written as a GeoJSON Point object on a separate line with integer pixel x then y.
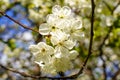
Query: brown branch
{"type": "Point", "coordinates": [91, 36]}
{"type": "Point", "coordinates": [115, 7]}
{"type": "Point", "coordinates": [24, 26]}
{"type": "Point", "coordinates": [91, 40]}
{"type": "Point", "coordinates": [13, 70]}
{"type": "Point", "coordinates": [33, 76]}
{"type": "Point", "coordinates": [106, 37]}
{"type": "Point", "coordinates": [107, 5]}
{"type": "Point", "coordinates": [109, 8]}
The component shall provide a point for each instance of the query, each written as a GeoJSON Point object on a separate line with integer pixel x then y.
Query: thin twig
{"type": "Point", "coordinates": [115, 7]}
{"type": "Point", "coordinates": [106, 37]}
{"type": "Point", "coordinates": [24, 26]}
{"type": "Point", "coordinates": [109, 8]}
{"type": "Point", "coordinates": [13, 70]}
{"type": "Point", "coordinates": [91, 40]}
{"type": "Point", "coordinates": [35, 77]}
{"type": "Point", "coordinates": [107, 5]}
{"type": "Point", "coordinates": [91, 36]}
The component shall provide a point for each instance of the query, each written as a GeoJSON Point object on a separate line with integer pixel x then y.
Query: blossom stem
{"type": "Point", "coordinates": [91, 39]}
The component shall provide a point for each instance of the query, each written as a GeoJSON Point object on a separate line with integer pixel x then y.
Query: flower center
{"type": "Point", "coordinates": [43, 50]}
{"type": "Point", "coordinates": [60, 43]}
{"type": "Point", "coordinates": [53, 27]}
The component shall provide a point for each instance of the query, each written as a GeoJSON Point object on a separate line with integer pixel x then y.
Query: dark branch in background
{"type": "Point", "coordinates": [13, 70]}
{"type": "Point", "coordinates": [24, 26]}
{"type": "Point", "coordinates": [65, 77]}
{"type": "Point", "coordinates": [105, 38]}
{"type": "Point", "coordinates": [109, 8]}
{"type": "Point", "coordinates": [32, 76]}
{"type": "Point", "coordinates": [91, 39]}
{"type": "Point", "coordinates": [104, 63]}
{"type": "Point", "coordinates": [115, 7]}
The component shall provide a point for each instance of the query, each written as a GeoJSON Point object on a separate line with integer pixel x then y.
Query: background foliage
{"type": "Point", "coordinates": [104, 63]}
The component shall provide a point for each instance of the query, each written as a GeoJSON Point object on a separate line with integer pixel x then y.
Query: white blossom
{"type": "Point", "coordinates": [62, 13]}
{"type": "Point", "coordinates": [63, 30]}
{"type": "Point", "coordinates": [74, 29]}
{"type": "Point", "coordinates": [42, 52]}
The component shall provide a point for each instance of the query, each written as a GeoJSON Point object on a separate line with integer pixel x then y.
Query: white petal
{"type": "Point", "coordinates": [34, 49]}
{"type": "Point", "coordinates": [66, 11]}
{"type": "Point", "coordinates": [49, 49]}
{"type": "Point", "coordinates": [58, 36]}
{"type": "Point", "coordinates": [56, 9]}
{"type": "Point", "coordinates": [69, 44]}
{"type": "Point", "coordinates": [77, 25]}
{"type": "Point", "coordinates": [51, 18]}
{"type": "Point", "coordinates": [54, 40]}
{"type": "Point", "coordinates": [64, 51]}
{"type": "Point", "coordinates": [73, 54]}
{"type": "Point", "coordinates": [44, 29]}
{"type": "Point", "coordinates": [40, 63]}
{"type": "Point", "coordinates": [41, 45]}
{"type": "Point", "coordinates": [61, 51]}
{"type": "Point", "coordinates": [78, 35]}
{"type": "Point", "coordinates": [42, 57]}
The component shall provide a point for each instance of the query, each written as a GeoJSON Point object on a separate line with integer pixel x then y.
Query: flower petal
{"type": "Point", "coordinates": [73, 54]}
{"type": "Point", "coordinates": [44, 29]}
{"type": "Point", "coordinates": [56, 9]}
{"type": "Point", "coordinates": [66, 11]}
{"type": "Point", "coordinates": [34, 49]}
{"type": "Point", "coordinates": [69, 44]}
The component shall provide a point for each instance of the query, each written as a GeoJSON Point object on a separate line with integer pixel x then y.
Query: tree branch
{"type": "Point", "coordinates": [116, 7]}
{"type": "Point", "coordinates": [91, 40]}
{"type": "Point", "coordinates": [24, 26]}
{"type": "Point", "coordinates": [104, 63]}
{"type": "Point", "coordinates": [109, 8]}
{"type": "Point", "coordinates": [36, 77]}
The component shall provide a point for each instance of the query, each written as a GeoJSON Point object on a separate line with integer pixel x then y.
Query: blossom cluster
{"type": "Point", "coordinates": [64, 30]}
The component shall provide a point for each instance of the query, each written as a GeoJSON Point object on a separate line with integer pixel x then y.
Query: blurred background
{"type": "Point", "coordinates": [104, 63]}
